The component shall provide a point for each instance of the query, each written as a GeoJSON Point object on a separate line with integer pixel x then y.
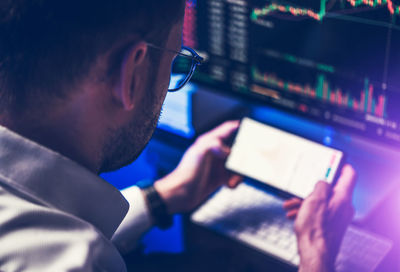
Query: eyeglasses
{"type": "Point", "coordinates": [185, 64]}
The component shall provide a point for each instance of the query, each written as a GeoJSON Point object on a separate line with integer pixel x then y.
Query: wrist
{"type": "Point", "coordinates": [314, 257]}
{"type": "Point", "coordinates": [317, 263]}
{"type": "Point", "coordinates": [169, 193]}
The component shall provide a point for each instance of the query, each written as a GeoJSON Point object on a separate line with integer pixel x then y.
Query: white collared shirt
{"type": "Point", "coordinates": [55, 215]}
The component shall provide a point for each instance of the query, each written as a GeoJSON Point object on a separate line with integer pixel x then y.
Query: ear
{"type": "Point", "coordinates": [131, 75]}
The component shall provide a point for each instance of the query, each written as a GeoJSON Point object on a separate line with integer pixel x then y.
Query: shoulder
{"type": "Point", "coordinates": [44, 239]}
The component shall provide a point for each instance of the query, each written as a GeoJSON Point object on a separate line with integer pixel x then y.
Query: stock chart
{"type": "Point", "coordinates": [336, 61]}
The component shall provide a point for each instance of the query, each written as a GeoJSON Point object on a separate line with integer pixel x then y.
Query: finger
{"type": "Point", "coordinates": [345, 185]}
{"type": "Point", "coordinates": [292, 214]}
{"type": "Point", "coordinates": [225, 130]}
{"type": "Point", "coordinates": [291, 204]}
{"type": "Point", "coordinates": [234, 181]}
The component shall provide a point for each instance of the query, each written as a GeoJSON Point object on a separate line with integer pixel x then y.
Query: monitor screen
{"type": "Point", "coordinates": [336, 61]}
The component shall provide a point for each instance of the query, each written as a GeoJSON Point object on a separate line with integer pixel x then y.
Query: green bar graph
{"type": "Point", "coordinates": [323, 91]}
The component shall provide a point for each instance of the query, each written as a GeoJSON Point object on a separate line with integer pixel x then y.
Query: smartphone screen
{"type": "Point", "coordinates": [287, 162]}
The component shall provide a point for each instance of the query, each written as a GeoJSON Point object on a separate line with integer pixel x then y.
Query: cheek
{"type": "Point", "coordinates": [166, 67]}
{"type": "Point", "coordinates": [162, 80]}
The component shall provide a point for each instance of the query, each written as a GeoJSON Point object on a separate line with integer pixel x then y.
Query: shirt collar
{"type": "Point", "coordinates": [58, 182]}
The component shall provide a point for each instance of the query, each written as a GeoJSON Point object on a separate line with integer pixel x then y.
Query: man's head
{"type": "Point", "coordinates": [86, 65]}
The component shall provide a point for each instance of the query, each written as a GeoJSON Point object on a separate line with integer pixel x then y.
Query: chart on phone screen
{"type": "Point", "coordinates": [280, 159]}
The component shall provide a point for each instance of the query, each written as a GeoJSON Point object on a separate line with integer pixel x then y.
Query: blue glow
{"type": "Point", "coordinates": [328, 140]}
{"type": "Point", "coordinates": [166, 241]}
{"type": "Point", "coordinates": [292, 123]}
{"type": "Point", "coordinates": [177, 111]}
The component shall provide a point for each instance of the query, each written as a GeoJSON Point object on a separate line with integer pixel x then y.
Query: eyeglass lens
{"type": "Point", "coordinates": [181, 70]}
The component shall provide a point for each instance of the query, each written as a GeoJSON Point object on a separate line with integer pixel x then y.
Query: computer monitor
{"type": "Point", "coordinates": [335, 61]}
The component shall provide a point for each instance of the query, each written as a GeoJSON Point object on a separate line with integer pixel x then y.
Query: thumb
{"type": "Point", "coordinates": [220, 151]}
{"type": "Point", "coordinates": [322, 191]}
{"type": "Point", "coordinates": [345, 185]}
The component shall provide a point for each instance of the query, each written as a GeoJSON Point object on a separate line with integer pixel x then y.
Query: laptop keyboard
{"type": "Point", "coordinates": [257, 219]}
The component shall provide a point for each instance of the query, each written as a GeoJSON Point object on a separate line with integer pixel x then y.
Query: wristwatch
{"type": "Point", "coordinates": [157, 207]}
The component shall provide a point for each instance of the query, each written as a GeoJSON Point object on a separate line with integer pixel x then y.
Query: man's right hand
{"type": "Point", "coordinates": [321, 222]}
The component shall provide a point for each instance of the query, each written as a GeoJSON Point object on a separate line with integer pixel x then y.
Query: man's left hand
{"type": "Point", "coordinates": [200, 172]}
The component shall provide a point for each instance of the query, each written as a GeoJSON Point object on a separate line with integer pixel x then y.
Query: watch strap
{"type": "Point", "coordinates": [158, 209]}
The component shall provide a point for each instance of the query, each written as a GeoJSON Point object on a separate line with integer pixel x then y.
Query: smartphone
{"type": "Point", "coordinates": [286, 162]}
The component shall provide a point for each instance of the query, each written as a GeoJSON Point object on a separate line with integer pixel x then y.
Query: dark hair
{"type": "Point", "coordinates": [47, 45]}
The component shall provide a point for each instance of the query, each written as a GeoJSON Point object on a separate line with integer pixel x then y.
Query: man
{"type": "Point", "coordinates": [82, 84]}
